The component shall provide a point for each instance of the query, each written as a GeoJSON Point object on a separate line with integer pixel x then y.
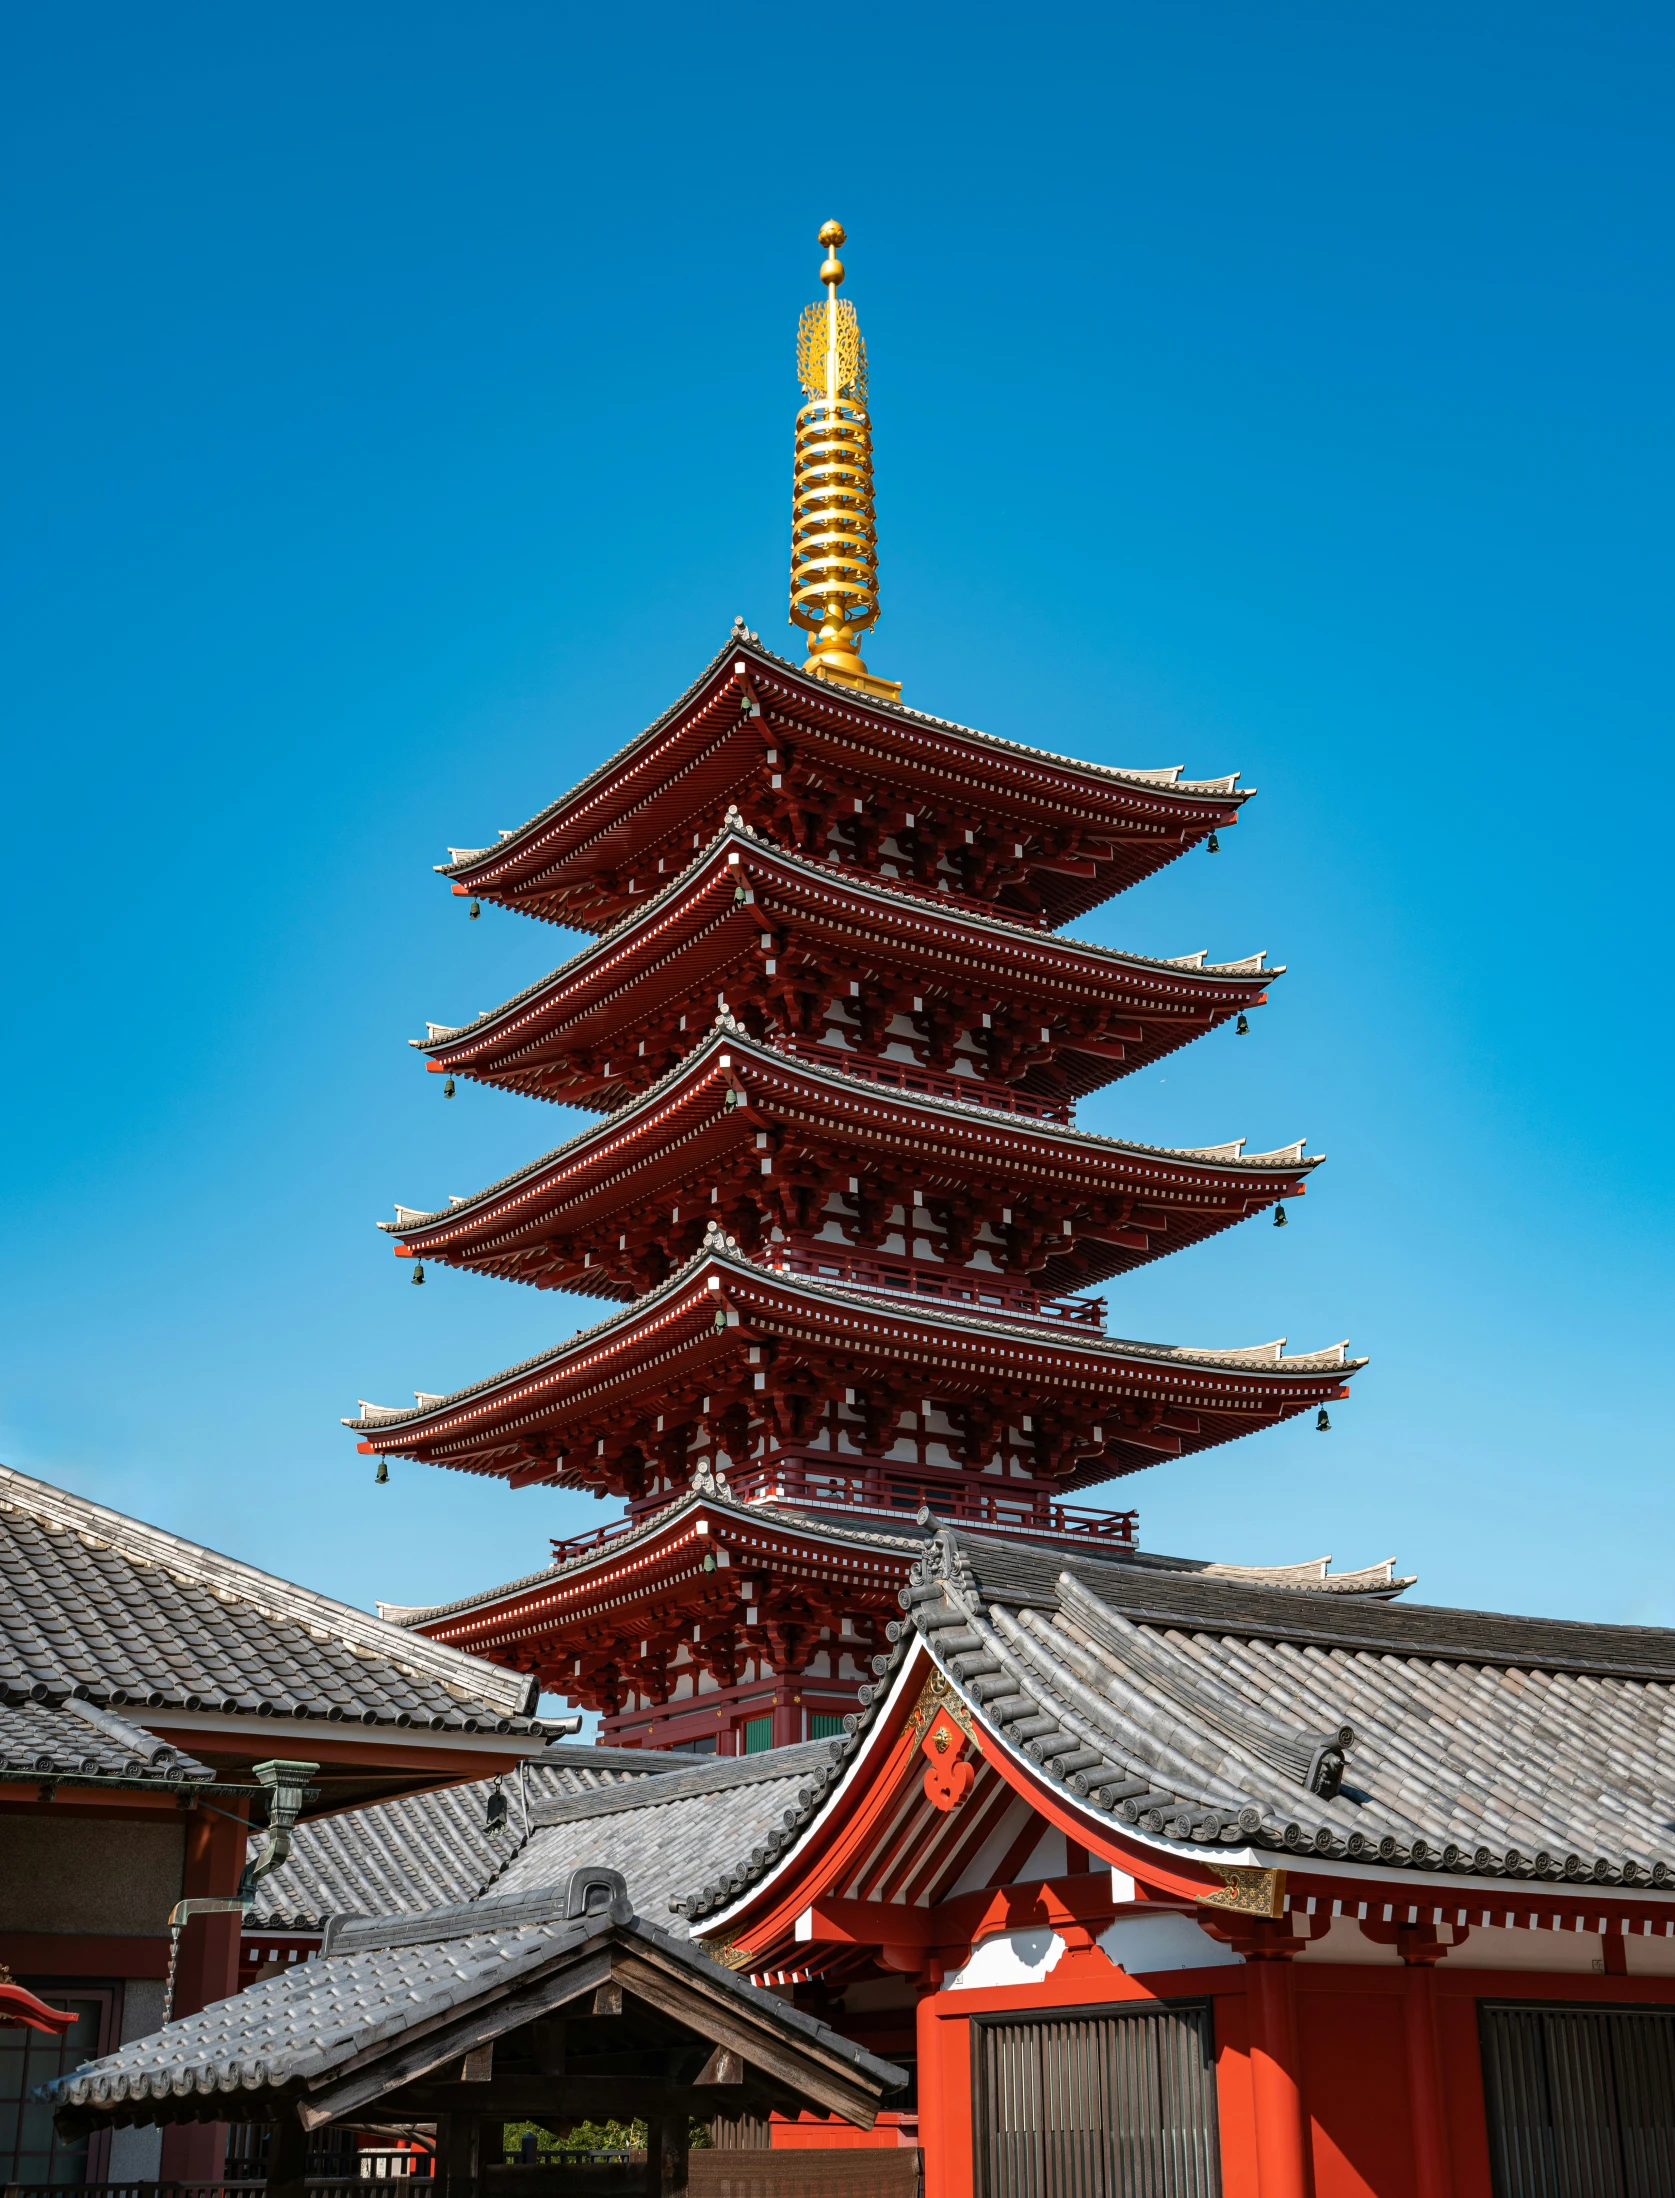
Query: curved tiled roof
{"type": "Point", "coordinates": [725, 1030]}
{"type": "Point", "coordinates": [118, 1612]}
{"type": "Point", "coordinates": [724, 1251]}
{"type": "Point", "coordinates": [742, 641]}
{"type": "Point", "coordinates": [903, 1537]}
{"type": "Point", "coordinates": [425, 1850]}
{"type": "Point", "coordinates": [440, 1035]}
{"type": "Point", "coordinates": [1226, 1719]}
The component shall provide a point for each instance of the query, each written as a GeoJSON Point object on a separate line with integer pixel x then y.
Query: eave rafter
{"type": "Point", "coordinates": [730, 1360]}
{"type": "Point", "coordinates": [1034, 833]}
{"type": "Point", "coordinates": [632, 1621]}
{"type": "Point", "coordinates": [818, 955]}
{"type": "Point", "coordinates": [785, 1152]}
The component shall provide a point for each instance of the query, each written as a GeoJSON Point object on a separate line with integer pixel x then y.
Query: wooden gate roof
{"type": "Point", "coordinates": [395, 2002]}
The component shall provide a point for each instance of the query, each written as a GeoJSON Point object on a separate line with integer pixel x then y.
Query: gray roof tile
{"type": "Point", "coordinates": [381, 1979]}
{"type": "Point", "coordinates": [69, 1739]}
{"type": "Point", "coordinates": [123, 1613]}
{"type": "Point", "coordinates": [1224, 1714]}
{"type": "Point", "coordinates": [425, 1850]}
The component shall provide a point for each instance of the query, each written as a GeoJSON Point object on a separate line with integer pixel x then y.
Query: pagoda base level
{"type": "Point", "coordinates": [739, 1720]}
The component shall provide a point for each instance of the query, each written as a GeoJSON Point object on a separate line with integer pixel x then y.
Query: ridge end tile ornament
{"type": "Point", "coordinates": [833, 1032]}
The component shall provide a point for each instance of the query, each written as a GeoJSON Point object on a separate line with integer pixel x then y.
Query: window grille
{"type": "Point", "coordinates": [758, 1735]}
{"type": "Point", "coordinates": [1096, 2103]}
{"type": "Point", "coordinates": [1580, 2100]}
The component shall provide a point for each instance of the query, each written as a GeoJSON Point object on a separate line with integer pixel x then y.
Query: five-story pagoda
{"type": "Point", "coordinates": [835, 1193]}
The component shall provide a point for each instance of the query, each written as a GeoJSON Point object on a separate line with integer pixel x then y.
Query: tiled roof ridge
{"type": "Point", "coordinates": [641, 1530]}
{"type": "Point", "coordinates": [717, 1245]}
{"type": "Point", "coordinates": [700, 1774]}
{"type": "Point", "coordinates": [511, 1693]}
{"type": "Point", "coordinates": [733, 826]}
{"type": "Point", "coordinates": [1019, 1678]}
{"type": "Point", "coordinates": [726, 1030]}
{"type": "Point", "coordinates": [1152, 781]}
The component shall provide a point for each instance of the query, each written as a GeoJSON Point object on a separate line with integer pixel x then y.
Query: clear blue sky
{"type": "Point", "coordinates": [397, 404]}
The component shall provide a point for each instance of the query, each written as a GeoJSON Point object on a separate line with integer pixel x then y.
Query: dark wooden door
{"type": "Point", "coordinates": [1098, 2103]}
{"type": "Point", "coordinates": [1580, 2100]}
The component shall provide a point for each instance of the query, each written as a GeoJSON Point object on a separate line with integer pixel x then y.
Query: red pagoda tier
{"type": "Point", "coordinates": [836, 1043]}
{"type": "Point", "coordinates": [797, 1387]}
{"type": "Point", "coordinates": [716, 1624]}
{"type": "Point", "coordinates": [823, 956]}
{"type": "Point", "coordinates": [935, 806]}
{"type": "Point", "coordinates": [817, 1171]}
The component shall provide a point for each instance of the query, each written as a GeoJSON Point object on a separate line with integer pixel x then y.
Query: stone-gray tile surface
{"type": "Point", "coordinates": [127, 1614]}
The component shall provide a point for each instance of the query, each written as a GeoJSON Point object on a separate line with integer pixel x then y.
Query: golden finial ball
{"type": "Point", "coordinates": [832, 235]}
{"type": "Point", "coordinates": [831, 271]}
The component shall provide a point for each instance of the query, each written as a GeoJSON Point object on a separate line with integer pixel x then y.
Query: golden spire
{"type": "Point", "coordinates": [834, 535]}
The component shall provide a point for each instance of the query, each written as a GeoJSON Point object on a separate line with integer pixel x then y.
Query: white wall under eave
{"type": "Point", "coordinates": [1143, 1944]}
{"type": "Point", "coordinates": [1015, 1957]}
{"type": "Point", "coordinates": [1564, 1953]}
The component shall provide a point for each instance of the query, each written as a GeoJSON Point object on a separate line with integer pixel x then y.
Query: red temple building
{"type": "Point", "coordinates": [1137, 1877]}
{"type": "Point", "coordinates": [848, 1234]}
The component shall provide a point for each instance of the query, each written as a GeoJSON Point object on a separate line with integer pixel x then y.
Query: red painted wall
{"type": "Point", "coordinates": [1351, 2025]}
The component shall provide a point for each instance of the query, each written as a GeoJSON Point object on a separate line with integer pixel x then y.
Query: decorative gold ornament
{"type": "Point", "coordinates": [834, 532]}
{"type": "Point", "coordinates": [939, 1693]}
{"type": "Point", "coordinates": [728, 1953]}
{"type": "Point", "coordinates": [1246, 1892]}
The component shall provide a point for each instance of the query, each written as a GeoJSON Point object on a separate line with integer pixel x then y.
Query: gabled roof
{"type": "Point", "coordinates": [700, 750]}
{"type": "Point", "coordinates": [699, 919]}
{"type": "Point", "coordinates": [106, 1608]}
{"type": "Point", "coordinates": [1228, 1723]}
{"type": "Point", "coordinates": [381, 1979]}
{"type": "Point", "coordinates": [425, 1850]}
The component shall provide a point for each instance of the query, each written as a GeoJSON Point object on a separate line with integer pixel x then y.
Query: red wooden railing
{"type": "Point", "coordinates": [907, 1076]}
{"type": "Point", "coordinates": [967, 1500]}
{"type": "Point", "coordinates": [1015, 1507]}
{"type": "Point", "coordinates": [989, 1294]}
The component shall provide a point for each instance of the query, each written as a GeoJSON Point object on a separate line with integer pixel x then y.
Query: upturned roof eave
{"type": "Point", "coordinates": [725, 1032]}
{"type": "Point", "coordinates": [669, 1522]}
{"type": "Point", "coordinates": [484, 862]}
{"type": "Point", "coordinates": [722, 1253]}
{"type": "Point", "coordinates": [450, 1038]}
{"type": "Point", "coordinates": [1422, 1850]}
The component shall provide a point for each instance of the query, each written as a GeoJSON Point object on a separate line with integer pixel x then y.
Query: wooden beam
{"type": "Point", "coordinates": [378, 2070]}
{"type": "Point", "coordinates": [816, 2072]}
{"type": "Point", "coordinates": [287, 2156]}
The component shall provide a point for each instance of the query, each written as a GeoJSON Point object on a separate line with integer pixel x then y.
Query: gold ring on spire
{"type": "Point", "coordinates": [834, 534]}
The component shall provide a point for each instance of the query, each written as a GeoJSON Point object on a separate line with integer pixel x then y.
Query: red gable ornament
{"type": "Point", "coordinates": [948, 1779]}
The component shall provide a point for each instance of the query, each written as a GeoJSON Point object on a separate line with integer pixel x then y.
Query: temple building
{"type": "Point", "coordinates": [1022, 1860]}
{"type": "Point", "coordinates": [851, 1239]}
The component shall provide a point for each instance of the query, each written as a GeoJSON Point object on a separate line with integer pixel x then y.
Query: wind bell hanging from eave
{"type": "Point", "coordinates": [834, 533]}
